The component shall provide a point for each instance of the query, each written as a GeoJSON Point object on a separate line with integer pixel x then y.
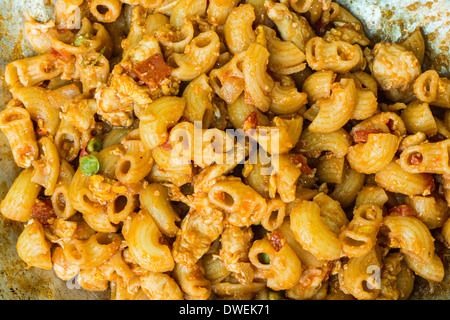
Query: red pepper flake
{"type": "Point", "coordinates": [361, 136]}
{"type": "Point", "coordinates": [42, 132]}
{"type": "Point", "coordinates": [430, 183]}
{"type": "Point", "coordinates": [152, 71]}
{"type": "Point", "coordinates": [251, 122]}
{"type": "Point", "coordinates": [319, 27]}
{"type": "Point", "coordinates": [83, 152]}
{"type": "Point", "coordinates": [390, 125]}
{"type": "Point", "coordinates": [61, 55]}
{"type": "Point", "coordinates": [167, 146]}
{"type": "Point", "coordinates": [42, 211]}
{"type": "Point", "coordinates": [276, 241]}
{"type": "Point", "coordinates": [300, 159]}
{"type": "Point", "coordinates": [402, 210]}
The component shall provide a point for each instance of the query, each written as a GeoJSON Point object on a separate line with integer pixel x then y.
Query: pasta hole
{"type": "Point", "coordinates": [415, 158]}
{"type": "Point", "coordinates": [263, 258]}
{"type": "Point", "coordinates": [12, 117]}
{"type": "Point", "coordinates": [273, 215]}
{"type": "Point", "coordinates": [88, 201]}
{"type": "Point", "coordinates": [427, 86]}
{"type": "Point", "coordinates": [240, 65]}
{"type": "Point", "coordinates": [368, 287]}
{"type": "Point", "coordinates": [75, 254]}
{"type": "Point", "coordinates": [47, 67]}
{"type": "Point", "coordinates": [120, 203]}
{"type": "Point", "coordinates": [226, 199]}
{"type": "Point", "coordinates": [368, 214]}
{"type": "Point", "coordinates": [60, 202]}
{"type": "Point", "coordinates": [172, 63]}
{"type": "Point", "coordinates": [207, 117]}
{"type": "Point", "coordinates": [202, 42]}
{"type": "Point", "coordinates": [448, 153]}
{"type": "Point", "coordinates": [104, 238]}
{"type": "Point", "coordinates": [215, 82]}
{"type": "Point", "coordinates": [125, 167]}
{"type": "Point", "coordinates": [353, 242]}
{"type": "Point", "coordinates": [102, 9]}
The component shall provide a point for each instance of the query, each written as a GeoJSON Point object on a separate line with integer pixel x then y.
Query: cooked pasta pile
{"type": "Point", "coordinates": [351, 204]}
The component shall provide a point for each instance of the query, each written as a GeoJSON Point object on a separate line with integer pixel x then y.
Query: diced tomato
{"type": "Point", "coordinates": [361, 136]}
{"type": "Point", "coordinates": [402, 210]}
{"type": "Point", "coordinates": [61, 55]}
{"type": "Point", "coordinates": [167, 146]}
{"type": "Point", "coordinates": [319, 27]}
{"type": "Point", "coordinates": [416, 159]}
{"type": "Point", "coordinates": [251, 122]}
{"type": "Point", "coordinates": [83, 152]}
{"type": "Point", "coordinates": [276, 241]}
{"type": "Point", "coordinates": [152, 71]}
{"type": "Point", "coordinates": [42, 211]}
{"type": "Point", "coordinates": [296, 159]}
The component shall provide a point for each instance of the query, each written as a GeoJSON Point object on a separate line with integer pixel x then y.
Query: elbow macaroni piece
{"type": "Point", "coordinates": [238, 28]}
{"type": "Point", "coordinates": [337, 110]}
{"type": "Point", "coordinates": [258, 83]}
{"type": "Point", "coordinates": [155, 200]}
{"type": "Point", "coordinates": [359, 237]}
{"type": "Point", "coordinates": [394, 178]}
{"type": "Point", "coordinates": [375, 154]}
{"type": "Point", "coordinates": [306, 223]}
{"type": "Point", "coordinates": [192, 281]}
{"type": "Point", "coordinates": [193, 149]}
{"type": "Point", "coordinates": [235, 246]}
{"type": "Point", "coordinates": [18, 202]}
{"type": "Point", "coordinates": [243, 205]}
{"type": "Point", "coordinates": [199, 57]}
{"type": "Point", "coordinates": [411, 235]}
{"type": "Point", "coordinates": [92, 252]}
{"type": "Point", "coordinates": [46, 168]}
{"type": "Point", "coordinates": [157, 118]}
{"type": "Point", "coordinates": [291, 26]}
{"type": "Point", "coordinates": [15, 122]}
{"type": "Point", "coordinates": [33, 247]}
{"type": "Point", "coordinates": [358, 276]}
{"type": "Point", "coordinates": [337, 56]}
{"type": "Point", "coordinates": [143, 237]}
{"type": "Point", "coordinates": [429, 87]}
{"type": "Point", "coordinates": [283, 270]}
{"type": "Point", "coordinates": [426, 158]}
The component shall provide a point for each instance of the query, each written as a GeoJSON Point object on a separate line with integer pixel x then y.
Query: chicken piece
{"type": "Point", "coordinates": [395, 69]}
{"type": "Point", "coordinates": [195, 236]}
{"type": "Point", "coordinates": [236, 243]}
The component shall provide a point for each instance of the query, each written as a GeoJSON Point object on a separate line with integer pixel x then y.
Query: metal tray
{"type": "Point", "coordinates": [389, 20]}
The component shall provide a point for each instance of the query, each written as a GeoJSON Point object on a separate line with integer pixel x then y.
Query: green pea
{"type": "Point", "coordinates": [264, 258]}
{"type": "Point", "coordinates": [94, 145]}
{"type": "Point", "coordinates": [89, 165]}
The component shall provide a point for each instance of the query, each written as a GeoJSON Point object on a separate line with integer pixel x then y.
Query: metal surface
{"type": "Point", "coordinates": [389, 20]}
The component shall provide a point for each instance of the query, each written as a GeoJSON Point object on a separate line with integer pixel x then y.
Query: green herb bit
{"type": "Point", "coordinates": [94, 145]}
{"type": "Point", "coordinates": [84, 64]}
{"type": "Point", "coordinates": [89, 165]}
{"type": "Point", "coordinates": [81, 40]}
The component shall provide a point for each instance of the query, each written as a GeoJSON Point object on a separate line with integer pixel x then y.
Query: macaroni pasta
{"type": "Point", "coordinates": [193, 149]}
